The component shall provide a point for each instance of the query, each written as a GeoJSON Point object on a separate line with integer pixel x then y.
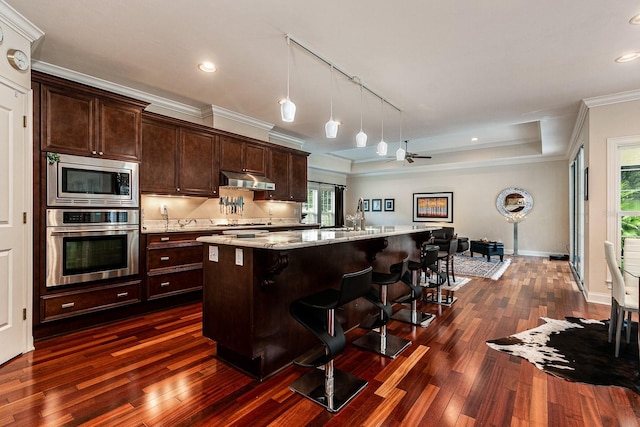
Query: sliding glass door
{"type": "Point", "coordinates": [578, 195]}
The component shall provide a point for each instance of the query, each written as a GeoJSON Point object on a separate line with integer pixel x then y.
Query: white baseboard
{"type": "Point", "coordinates": [599, 298]}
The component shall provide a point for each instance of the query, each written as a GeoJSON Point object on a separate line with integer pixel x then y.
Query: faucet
{"type": "Point", "coordinates": [360, 212]}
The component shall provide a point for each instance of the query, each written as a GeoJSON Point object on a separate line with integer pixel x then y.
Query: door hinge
{"type": "Point", "coordinates": [24, 121]}
{"type": "Point", "coordinates": [24, 217]}
{"type": "Point", "coordinates": [24, 314]}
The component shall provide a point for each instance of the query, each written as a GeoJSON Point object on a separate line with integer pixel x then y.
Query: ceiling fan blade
{"type": "Point", "coordinates": [420, 157]}
{"type": "Point", "coordinates": [409, 159]}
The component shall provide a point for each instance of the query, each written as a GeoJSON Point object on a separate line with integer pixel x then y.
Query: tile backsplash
{"type": "Point", "coordinates": [184, 208]}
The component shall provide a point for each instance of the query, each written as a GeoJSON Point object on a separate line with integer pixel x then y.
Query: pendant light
{"type": "Point", "coordinates": [381, 148]}
{"type": "Point", "coordinates": [331, 127]}
{"type": "Point", "coordinates": [400, 152]}
{"type": "Point", "coordinates": [287, 107]}
{"type": "Point", "coordinates": [361, 137]}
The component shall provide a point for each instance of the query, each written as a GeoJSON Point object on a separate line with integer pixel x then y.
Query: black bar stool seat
{"type": "Point", "coordinates": [328, 387]}
{"type": "Point", "coordinates": [381, 342]}
{"type": "Point", "coordinates": [428, 259]}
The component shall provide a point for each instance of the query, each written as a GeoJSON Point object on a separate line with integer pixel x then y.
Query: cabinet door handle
{"type": "Point", "coordinates": [122, 294]}
{"type": "Point", "coordinates": [178, 189]}
{"type": "Point", "coordinates": [164, 258]}
{"type": "Point", "coordinates": [94, 152]}
{"type": "Point", "coordinates": [163, 284]}
{"type": "Point", "coordinates": [101, 153]}
{"type": "Point", "coordinates": [164, 239]}
{"type": "Point", "coordinates": [68, 305]}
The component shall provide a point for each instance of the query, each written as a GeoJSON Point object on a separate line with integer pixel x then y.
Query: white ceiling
{"type": "Point", "coordinates": [509, 72]}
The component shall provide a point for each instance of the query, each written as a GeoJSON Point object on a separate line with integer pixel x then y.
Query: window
{"type": "Point", "coordinates": [623, 190]}
{"type": "Point", "coordinates": [320, 206]}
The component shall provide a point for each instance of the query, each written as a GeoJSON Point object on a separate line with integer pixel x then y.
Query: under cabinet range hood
{"type": "Point", "coordinates": [246, 181]}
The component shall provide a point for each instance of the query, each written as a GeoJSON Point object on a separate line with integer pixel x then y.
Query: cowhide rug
{"type": "Point", "coordinates": [577, 350]}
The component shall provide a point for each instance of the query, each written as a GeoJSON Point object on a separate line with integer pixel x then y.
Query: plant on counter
{"type": "Point", "coordinates": [53, 158]}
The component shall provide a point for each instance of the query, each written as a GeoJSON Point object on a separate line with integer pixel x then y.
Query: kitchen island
{"type": "Point", "coordinates": [250, 279]}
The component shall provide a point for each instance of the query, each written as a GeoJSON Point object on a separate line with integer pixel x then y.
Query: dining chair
{"type": "Point", "coordinates": [624, 296]}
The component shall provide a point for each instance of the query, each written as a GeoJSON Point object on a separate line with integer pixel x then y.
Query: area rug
{"type": "Point", "coordinates": [577, 350]}
{"type": "Point", "coordinates": [464, 265]}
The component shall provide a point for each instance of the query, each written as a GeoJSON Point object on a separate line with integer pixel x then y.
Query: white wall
{"type": "Point", "coordinates": [606, 121]}
{"type": "Point", "coordinates": [544, 231]}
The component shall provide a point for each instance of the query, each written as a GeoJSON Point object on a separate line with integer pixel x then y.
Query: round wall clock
{"type": "Point", "coordinates": [1, 35]}
{"type": "Point", "coordinates": [18, 59]}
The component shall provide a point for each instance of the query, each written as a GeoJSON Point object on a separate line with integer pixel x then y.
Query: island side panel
{"type": "Point", "coordinates": [227, 316]}
{"type": "Point", "coordinates": [246, 309]}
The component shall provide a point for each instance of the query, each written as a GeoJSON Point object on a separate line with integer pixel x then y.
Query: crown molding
{"type": "Point", "coordinates": [574, 144]}
{"type": "Point", "coordinates": [286, 140]}
{"type": "Point", "coordinates": [460, 165]}
{"type": "Point", "coordinates": [597, 101]}
{"type": "Point", "coordinates": [20, 24]}
{"type": "Point", "coordinates": [75, 76]}
{"type": "Point", "coordinates": [236, 117]}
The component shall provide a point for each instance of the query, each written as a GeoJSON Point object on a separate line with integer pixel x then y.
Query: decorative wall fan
{"type": "Point", "coordinates": [408, 156]}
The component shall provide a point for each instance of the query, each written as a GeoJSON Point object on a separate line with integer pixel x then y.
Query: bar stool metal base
{"type": "Point", "coordinates": [372, 342]}
{"type": "Point", "coordinates": [448, 302]}
{"type": "Point", "coordinates": [420, 319]}
{"type": "Point", "coordinates": [312, 386]}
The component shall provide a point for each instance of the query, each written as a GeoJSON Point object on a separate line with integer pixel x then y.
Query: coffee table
{"type": "Point", "coordinates": [487, 248]}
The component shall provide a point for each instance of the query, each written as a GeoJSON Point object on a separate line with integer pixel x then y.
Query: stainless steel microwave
{"type": "Point", "coordinates": [76, 181]}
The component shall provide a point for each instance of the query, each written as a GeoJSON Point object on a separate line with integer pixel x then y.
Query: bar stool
{"type": "Point", "coordinates": [381, 342]}
{"type": "Point", "coordinates": [447, 257]}
{"type": "Point", "coordinates": [428, 259]}
{"type": "Point", "coordinates": [333, 388]}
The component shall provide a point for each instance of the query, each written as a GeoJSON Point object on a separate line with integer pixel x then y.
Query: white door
{"type": "Point", "coordinates": [15, 254]}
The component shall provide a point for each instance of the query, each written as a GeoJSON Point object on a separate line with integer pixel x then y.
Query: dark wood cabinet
{"type": "Point", "coordinates": [178, 158]}
{"type": "Point", "coordinates": [89, 300]}
{"type": "Point", "coordinates": [241, 156]}
{"type": "Point", "coordinates": [158, 170]}
{"type": "Point", "coordinates": [173, 264]}
{"type": "Point", "coordinates": [199, 170]}
{"type": "Point", "coordinates": [289, 172]}
{"type": "Point", "coordinates": [77, 119]}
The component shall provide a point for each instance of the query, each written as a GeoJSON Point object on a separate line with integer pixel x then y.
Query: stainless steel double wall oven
{"type": "Point", "coordinates": [92, 220]}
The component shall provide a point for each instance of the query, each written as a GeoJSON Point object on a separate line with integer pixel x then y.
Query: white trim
{"type": "Point", "coordinates": [599, 298]}
{"type": "Point", "coordinates": [88, 80]}
{"type": "Point", "coordinates": [20, 24]}
{"type": "Point", "coordinates": [598, 101]}
{"type": "Point", "coordinates": [237, 117]}
{"type": "Point", "coordinates": [574, 143]}
{"type": "Point", "coordinates": [287, 140]}
{"type": "Point", "coordinates": [613, 184]}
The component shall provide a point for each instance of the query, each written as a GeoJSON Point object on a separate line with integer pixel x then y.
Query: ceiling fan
{"type": "Point", "coordinates": [408, 156]}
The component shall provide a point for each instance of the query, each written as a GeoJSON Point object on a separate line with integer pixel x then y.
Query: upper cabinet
{"type": "Point", "coordinates": [81, 120]}
{"type": "Point", "coordinates": [237, 155]}
{"type": "Point", "coordinates": [288, 169]}
{"type": "Point", "coordinates": [178, 158]}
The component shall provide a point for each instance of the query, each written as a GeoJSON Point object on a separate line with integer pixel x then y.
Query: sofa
{"type": "Point", "coordinates": [442, 237]}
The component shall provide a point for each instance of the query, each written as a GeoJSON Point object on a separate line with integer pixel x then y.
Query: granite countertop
{"type": "Point", "coordinates": [284, 240]}
{"type": "Point", "coordinates": [177, 228]}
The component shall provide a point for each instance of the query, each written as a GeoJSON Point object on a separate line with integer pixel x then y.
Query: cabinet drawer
{"type": "Point", "coordinates": [169, 257]}
{"type": "Point", "coordinates": [87, 300]}
{"type": "Point", "coordinates": [161, 285]}
{"type": "Point", "coordinates": [153, 239]}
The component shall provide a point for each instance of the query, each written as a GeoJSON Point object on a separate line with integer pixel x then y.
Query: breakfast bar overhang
{"type": "Point", "coordinates": [250, 279]}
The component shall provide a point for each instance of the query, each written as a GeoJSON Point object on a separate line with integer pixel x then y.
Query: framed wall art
{"type": "Point", "coordinates": [433, 207]}
{"type": "Point", "coordinates": [366, 205]}
{"type": "Point", "coordinates": [376, 205]}
{"type": "Point", "coordinates": [389, 205]}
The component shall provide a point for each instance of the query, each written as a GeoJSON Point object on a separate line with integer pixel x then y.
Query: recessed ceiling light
{"type": "Point", "coordinates": [207, 67]}
{"type": "Point", "coordinates": [474, 139]}
{"type": "Point", "coordinates": [635, 20]}
{"type": "Point", "coordinates": [628, 57]}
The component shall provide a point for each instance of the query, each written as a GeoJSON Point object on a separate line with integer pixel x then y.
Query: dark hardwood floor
{"type": "Point", "coordinates": [158, 370]}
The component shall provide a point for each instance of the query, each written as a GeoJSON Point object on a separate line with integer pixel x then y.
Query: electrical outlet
{"type": "Point", "coordinates": [163, 209]}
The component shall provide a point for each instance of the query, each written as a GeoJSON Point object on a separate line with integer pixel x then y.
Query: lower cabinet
{"type": "Point", "coordinates": [173, 264]}
{"type": "Point", "coordinates": [91, 299]}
